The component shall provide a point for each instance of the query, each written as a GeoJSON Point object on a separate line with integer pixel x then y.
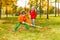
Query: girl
{"type": "Point", "coordinates": [33, 16]}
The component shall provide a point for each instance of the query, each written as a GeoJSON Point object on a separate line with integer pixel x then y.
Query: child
{"type": "Point", "coordinates": [33, 15]}
{"type": "Point", "coordinates": [22, 19]}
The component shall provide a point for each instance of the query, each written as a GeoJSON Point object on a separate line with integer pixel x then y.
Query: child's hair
{"type": "Point", "coordinates": [23, 12]}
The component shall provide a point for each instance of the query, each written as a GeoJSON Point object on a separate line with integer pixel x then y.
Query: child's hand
{"type": "Point", "coordinates": [31, 24]}
{"type": "Point", "coordinates": [23, 22]}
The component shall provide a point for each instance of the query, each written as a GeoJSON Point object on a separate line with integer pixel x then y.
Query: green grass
{"type": "Point", "coordinates": [8, 24]}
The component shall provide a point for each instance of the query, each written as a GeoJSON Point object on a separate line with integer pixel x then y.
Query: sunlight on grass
{"type": "Point", "coordinates": [53, 33]}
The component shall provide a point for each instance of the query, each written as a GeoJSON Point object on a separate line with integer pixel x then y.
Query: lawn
{"type": "Point", "coordinates": [50, 29]}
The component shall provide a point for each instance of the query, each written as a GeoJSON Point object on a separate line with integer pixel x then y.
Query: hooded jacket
{"type": "Point", "coordinates": [33, 14]}
{"type": "Point", "coordinates": [22, 18]}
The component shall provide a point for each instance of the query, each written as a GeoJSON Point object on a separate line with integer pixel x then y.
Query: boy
{"type": "Point", "coordinates": [22, 19]}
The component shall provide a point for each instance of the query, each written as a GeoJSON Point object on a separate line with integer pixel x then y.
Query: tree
{"type": "Point", "coordinates": [43, 5]}
{"type": "Point", "coordinates": [55, 8]}
{"type": "Point", "coordinates": [56, 1]}
{"type": "Point", "coordinates": [30, 3]}
{"type": "Point", "coordinates": [10, 3]}
{"type": "Point", "coordinates": [0, 8]}
{"type": "Point", "coordinates": [58, 7]}
{"type": "Point", "coordinates": [47, 9]}
{"type": "Point", "coordinates": [5, 3]}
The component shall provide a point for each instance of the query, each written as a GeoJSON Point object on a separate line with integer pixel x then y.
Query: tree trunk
{"type": "Point", "coordinates": [55, 9]}
{"type": "Point", "coordinates": [25, 5]}
{"type": "Point", "coordinates": [47, 9]}
{"type": "Point", "coordinates": [40, 8]}
{"type": "Point", "coordinates": [0, 9]}
{"type": "Point", "coordinates": [36, 6]}
{"type": "Point", "coordinates": [0, 12]}
{"type": "Point", "coordinates": [6, 13]}
{"type": "Point", "coordinates": [58, 7]}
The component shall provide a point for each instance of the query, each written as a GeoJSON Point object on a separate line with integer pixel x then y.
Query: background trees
{"type": "Point", "coordinates": [45, 6]}
{"type": "Point", "coordinates": [9, 6]}
{"type": "Point", "coordinates": [42, 7]}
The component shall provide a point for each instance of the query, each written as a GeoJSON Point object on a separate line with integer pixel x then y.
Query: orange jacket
{"type": "Point", "coordinates": [24, 19]}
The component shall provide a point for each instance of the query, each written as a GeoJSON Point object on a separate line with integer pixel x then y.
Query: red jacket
{"type": "Point", "coordinates": [33, 14]}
